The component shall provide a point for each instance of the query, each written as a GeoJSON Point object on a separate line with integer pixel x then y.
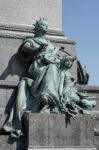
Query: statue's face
{"type": "Point", "coordinates": [68, 63]}
{"type": "Point", "coordinates": [43, 26]}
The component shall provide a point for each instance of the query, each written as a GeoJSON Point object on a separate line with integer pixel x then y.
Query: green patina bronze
{"type": "Point", "coordinates": [73, 101]}
{"type": "Point", "coordinates": [49, 86]}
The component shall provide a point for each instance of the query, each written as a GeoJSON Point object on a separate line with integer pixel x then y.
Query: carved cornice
{"type": "Point", "coordinates": [22, 31]}
{"type": "Point", "coordinates": [4, 84]}
{"type": "Point", "coordinates": [29, 29]}
{"type": "Point", "coordinates": [88, 88]}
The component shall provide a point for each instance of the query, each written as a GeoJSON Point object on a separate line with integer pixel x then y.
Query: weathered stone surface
{"type": "Point", "coordinates": [8, 96]}
{"type": "Point", "coordinates": [29, 11]}
{"type": "Point", "coordinates": [2, 119]}
{"type": "Point", "coordinates": [68, 148]}
{"type": "Point", "coordinates": [10, 67]}
{"type": "Point", "coordinates": [97, 142]}
{"type": "Point", "coordinates": [51, 130]}
{"type": "Point", "coordinates": [4, 145]}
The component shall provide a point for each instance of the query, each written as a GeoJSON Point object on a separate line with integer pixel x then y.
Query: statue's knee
{"type": "Point", "coordinates": [22, 83]}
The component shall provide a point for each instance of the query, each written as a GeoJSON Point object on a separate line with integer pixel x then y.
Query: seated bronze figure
{"type": "Point", "coordinates": [49, 86]}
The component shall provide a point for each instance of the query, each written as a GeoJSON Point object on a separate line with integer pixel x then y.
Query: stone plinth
{"type": "Point", "coordinates": [55, 131]}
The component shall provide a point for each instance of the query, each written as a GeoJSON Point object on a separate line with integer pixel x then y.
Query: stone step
{"type": "Point", "coordinates": [62, 148]}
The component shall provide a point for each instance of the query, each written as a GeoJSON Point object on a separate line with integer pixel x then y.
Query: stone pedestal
{"type": "Point", "coordinates": [57, 131]}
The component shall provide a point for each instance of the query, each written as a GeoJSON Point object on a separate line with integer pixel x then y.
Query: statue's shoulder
{"type": "Point", "coordinates": [41, 41]}
{"type": "Point", "coordinates": [37, 40]}
{"type": "Point", "coordinates": [31, 41]}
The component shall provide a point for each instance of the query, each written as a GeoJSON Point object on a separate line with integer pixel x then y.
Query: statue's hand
{"type": "Point", "coordinates": [42, 47]}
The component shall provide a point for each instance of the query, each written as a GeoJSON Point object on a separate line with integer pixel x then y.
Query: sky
{"type": "Point", "coordinates": [81, 24]}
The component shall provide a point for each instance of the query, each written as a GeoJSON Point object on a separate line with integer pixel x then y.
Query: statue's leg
{"type": "Point", "coordinates": [13, 124]}
{"type": "Point", "coordinates": [87, 105]}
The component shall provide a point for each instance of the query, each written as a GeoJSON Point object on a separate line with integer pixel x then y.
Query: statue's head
{"type": "Point", "coordinates": [67, 61]}
{"type": "Point", "coordinates": [41, 25]}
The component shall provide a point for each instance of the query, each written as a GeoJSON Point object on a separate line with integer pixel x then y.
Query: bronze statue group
{"type": "Point", "coordinates": [49, 86]}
